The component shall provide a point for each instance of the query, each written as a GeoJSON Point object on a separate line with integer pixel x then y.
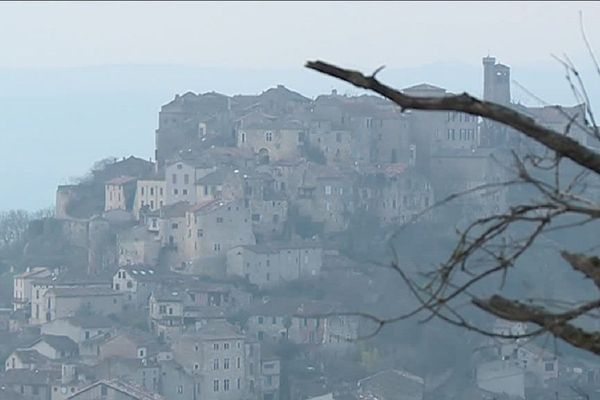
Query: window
{"type": "Point", "coordinates": [174, 225]}
{"type": "Point", "coordinates": [549, 366]}
{"type": "Point", "coordinates": [269, 136]}
{"type": "Point", "coordinates": [179, 166]}
{"type": "Point", "coordinates": [238, 362]}
{"type": "Point", "coordinates": [226, 363]}
{"type": "Point", "coordinates": [174, 178]}
{"type": "Point", "coordinates": [151, 191]}
{"type": "Point", "coordinates": [255, 217]}
{"type": "Point", "coordinates": [226, 385]}
{"type": "Point", "coordinates": [226, 346]}
{"type": "Point", "coordinates": [160, 191]}
{"type": "Point", "coordinates": [186, 179]}
{"type": "Point", "coordinates": [152, 204]}
{"type": "Point", "coordinates": [129, 284]}
{"type": "Point", "coordinates": [162, 309]}
{"type": "Point", "coordinates": [103, 390]}
{"type": "Point", "coordinates": [274, 320]}
{"type": "Point", "coordinates": [216, 385]}
{"type": "Point", "coordinates": [170, 310]}
{"type": "Point", "coordinates": [216, 364]}
{"type": "Point", "coordinates": [243, 137]}
{"type": "Point", "coordinates": [239, 383]}
{"type": "Point", "coordinates": [142, 190]}
{"type": "Point", "coordinates": [184, 192]}
{"type": "Point", "coordinates": [175, 192]}
{"type": "Point", "coordinates": [216, 346]}
{"type": "Point", "coordinates": [217, 247]}
{"type": "Point", "coordinates": [87, 334]}
{"type": "Point", "coordinates": [219, 220]}
{"type": "Point", "coordinates": [196, 366]}
{"type": "Point", "coordinates": [260, 320]}
{"type": "Point", "coordinates": [200, 233]}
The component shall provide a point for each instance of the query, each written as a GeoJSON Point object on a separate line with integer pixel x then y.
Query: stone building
{"type": "Point", "coordinates": [210, 230]}
{"type": "Point", "coordinates": [149, 194]}
{"type": "Point", "coordinates": [172, 232]}
{"type": "Point", "coordinates": [269, 137]}
{"type": "Point", "coordinates": [66, 280]}
{"type": "Point", "coordinates": [120, 193]}
{"type": "Point", "coordinates": [273, 264]}
{"type": "Point", "coordinates": [184, 122]}
{"type": "Point", "coordinates": [393, 193]}
{"type": "Point", "coordinates": [22, 286]}
{"type": "Point", "coordinates": [138, 245]}
{"type": "Point", "coordinates": [458, 170]}
{"type": "Point", "coordinates": [180, 180]}
{"type": "Point", "coordinates": [215, 354]}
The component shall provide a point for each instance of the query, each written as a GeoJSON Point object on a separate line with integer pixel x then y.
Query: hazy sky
{"type": "Point", "coordinates": [83, 81]}
{"type": "Point", "coordinates": [283, 35]}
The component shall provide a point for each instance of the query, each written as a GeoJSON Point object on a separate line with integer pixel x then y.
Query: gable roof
{"type": "Point", "coordinates": [392, 383]}
{"type": "Point", "coordinates": [218, 329]}
{"type": "Point", "coordinates": [134, 392]}
{"type": "Point", "coordinates": [58, 342]}
{"type": "Point", "coordinates": [121, 180]}
{"type": "Point", "coordinates": [29, 356]}
{"type": "Point", "coordinates": [9, 394]}
{"type": "Point", "coordinates": [423, 87]}
{"type": "Point", "coordinates": [83, 291]}
{"type": "Point", "coordinates": [25, 376]}
{"type": "Point", "coordinates": [91, 321]}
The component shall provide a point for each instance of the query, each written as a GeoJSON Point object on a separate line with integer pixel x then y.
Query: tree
{"type": "Point", "coordinates": [13, 226]}
{"type": "Point", "coordinates": [494, 245]}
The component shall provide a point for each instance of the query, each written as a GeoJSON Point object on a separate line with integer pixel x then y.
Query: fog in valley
{"type": "Point", "coordinates": [294, 201]}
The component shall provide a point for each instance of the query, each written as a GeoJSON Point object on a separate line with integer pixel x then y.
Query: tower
{"type": "Point", "coordinates": [496, 88]}
{"type": "Point", "coordinates": [496, 81]}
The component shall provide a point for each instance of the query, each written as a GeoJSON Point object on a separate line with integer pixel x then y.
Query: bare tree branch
{"type": "Point", "coordinates": [557, 324]}
{"type": "Point", "coordinates": [555, 141]}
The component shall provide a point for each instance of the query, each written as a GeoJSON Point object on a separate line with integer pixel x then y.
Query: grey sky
{"type": "Point", "coordinates": [83, 81]}
{"type": "Point", "coordinates": [284, 35]}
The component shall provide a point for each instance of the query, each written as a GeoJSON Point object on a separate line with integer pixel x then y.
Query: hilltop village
{"type": "Point", "coordinates": [234, 264]}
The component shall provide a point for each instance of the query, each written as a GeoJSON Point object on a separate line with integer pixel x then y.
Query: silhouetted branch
{"type": "Point", "coordinates": [465, 103]}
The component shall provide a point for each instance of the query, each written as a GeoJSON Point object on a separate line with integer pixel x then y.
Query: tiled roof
{"type": "Point", "coordinates": [58, 342]}
{"type": "Point", "coordinates": [121, 180]}
{"type": "Point", "coordinates": [30, 377]}
{"type": "Point", "coordinates": [133, 392]}
{"type": "Point", "coordinates": [174, 210]}
{"type": "Point", "coordinates": [29, 356]}
{"type": "Point", "coordinates": [83, 291]}
{"type": "Point", "coordinates": [91, 321]}
{"type": "Point", "coordinates": [219, 329]}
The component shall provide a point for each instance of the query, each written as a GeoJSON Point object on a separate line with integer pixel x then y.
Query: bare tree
{"type": "Point", "coordinates": [493, 244]}
{"type": "Point", "coordinates": [13, 226]}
